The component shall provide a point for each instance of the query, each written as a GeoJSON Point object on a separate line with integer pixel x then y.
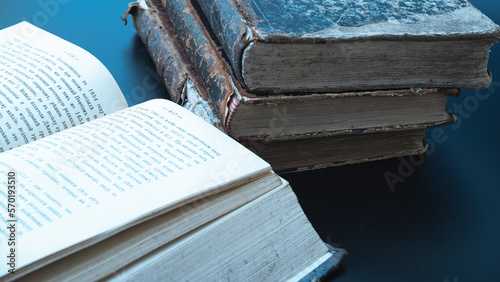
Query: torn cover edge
{"type": "Point", "coordinates": [202, 52]}
{"type": "Point", "coordinates": [171, 59]}
{"type": "Point", "coordinates": [197, 104]}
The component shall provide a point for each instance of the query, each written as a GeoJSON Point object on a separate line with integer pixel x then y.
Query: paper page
{"type": "Point", "coordinates": [89, 181]}
{"type": "Point", "coordinates": [48, 85]}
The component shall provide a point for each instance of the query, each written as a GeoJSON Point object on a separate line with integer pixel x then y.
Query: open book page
{"type": "Point", "coordinates": [86, 183]}
{"type": "Point", "coordinates": [106, 257]}
{"type": "Point", "coordinates": [48, 84]}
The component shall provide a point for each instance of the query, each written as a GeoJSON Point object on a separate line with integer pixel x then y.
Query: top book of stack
{"type": "Point", "coordinates": [277, 46]}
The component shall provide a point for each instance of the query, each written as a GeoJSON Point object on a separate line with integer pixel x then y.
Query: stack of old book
{"type": "Point", "coordinates": [310, 84]}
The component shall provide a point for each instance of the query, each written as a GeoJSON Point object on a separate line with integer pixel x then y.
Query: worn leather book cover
{"type": "Point", "coordinates": [171, 59]}
{"type": "Point", "coordinates": [277, 46]}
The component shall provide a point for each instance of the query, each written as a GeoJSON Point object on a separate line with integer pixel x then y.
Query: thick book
{"type": "Point", "coordinates": [99, 191]}
{"type": "Point", "coordinates": [277, 46]}
{"type": "Point", "coordinates": [330, 129]}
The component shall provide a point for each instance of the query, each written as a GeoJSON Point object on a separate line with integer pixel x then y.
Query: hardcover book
{"type": "Point", "coordinates": [277, 46]}
{"type": "Point", "coordinates": [99, 191]}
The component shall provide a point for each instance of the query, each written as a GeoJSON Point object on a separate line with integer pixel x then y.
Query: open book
{"type": "Point", "coordinates": [95, 190]}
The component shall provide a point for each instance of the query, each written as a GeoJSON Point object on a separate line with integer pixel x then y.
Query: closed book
{"type": "Point", "coordinates": [277, 46]}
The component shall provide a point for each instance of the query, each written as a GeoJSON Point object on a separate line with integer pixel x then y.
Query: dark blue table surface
{"type": "Point", "coordinates": [439, 220]}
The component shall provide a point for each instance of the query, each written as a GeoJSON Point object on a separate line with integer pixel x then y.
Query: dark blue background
{"type": "Point", "coordinates": [442, 223]}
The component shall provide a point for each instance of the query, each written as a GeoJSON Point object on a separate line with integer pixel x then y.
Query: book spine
{"type": "Point", "coordinates": [204, 55]}
{"type": "Point", "coordinates": [155, 34]}
{"type": "Point", "coordinates": [171, 59]}
{"type": "Point", "coordinates": [231, 29]}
